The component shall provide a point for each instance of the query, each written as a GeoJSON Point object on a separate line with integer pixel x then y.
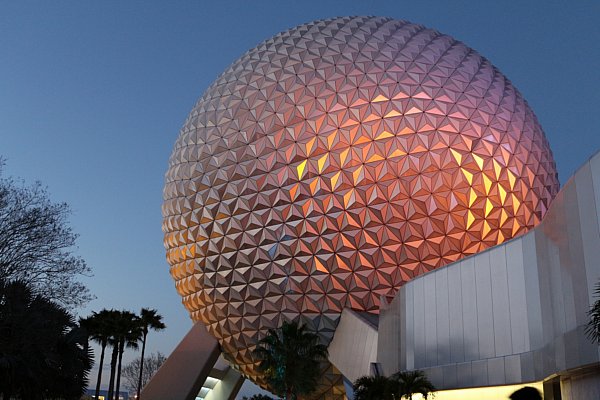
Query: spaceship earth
{"type": "Point", "coordinates": [336, 161]}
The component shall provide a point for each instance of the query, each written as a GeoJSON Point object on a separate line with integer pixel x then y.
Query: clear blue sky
{"type": "Point", "coordinates": [92, 95]}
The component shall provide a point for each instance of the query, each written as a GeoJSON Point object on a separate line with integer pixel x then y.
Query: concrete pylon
{"type": "Point", "coordinates": [183, 373]}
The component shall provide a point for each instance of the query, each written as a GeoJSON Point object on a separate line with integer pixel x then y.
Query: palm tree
{"type": "Point", "coordinates": [72, 364]}
{"type": "Point", "coordinates": [412, 382]}
{"type": "Point", "coordinates": [149, 319]}
{"type": "Point", "coordinates": [592, 329]}
{"type": "Point", "coordinates": [114, 342]}
{"type": "Point", "coordinates": [375, 388]}
{"type": "Point", "coordinates": [100, 326]}
{"type": "Point", "coordinates": [42, 353]}
{"type": "Point", "coordinates": [127, 334]}
{"type": "Point", "coordinates": [289, 359]}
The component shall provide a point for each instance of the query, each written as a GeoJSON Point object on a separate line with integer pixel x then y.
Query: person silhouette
{"type": "Point", "coordinates": [526, 393]}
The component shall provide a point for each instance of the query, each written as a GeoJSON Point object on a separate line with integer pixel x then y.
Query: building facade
{"type": "Point", "coordinates": [510, 315]}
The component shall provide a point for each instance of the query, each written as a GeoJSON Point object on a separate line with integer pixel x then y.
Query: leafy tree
{"type": "Point", "coordinates": [592, 329]}
{"type": "Point", "coordinates": [36, 244]}
{"type": "Point", "coordinates": [149, 319]}
{"type": "Point", "coordinates": [100, 327]}
{"type": "Point", "coordinates": [375, 388]}
{"type": "Point", "coordinates": [131, 371]}
{"type": "Point", "coordinates": [413, 382]}
{"type": "Point", "coordinates": [290, 358]}
{"type": "Point", "coordinates": [42, 349]}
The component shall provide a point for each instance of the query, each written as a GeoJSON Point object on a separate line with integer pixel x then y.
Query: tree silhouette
{"type": "Point", "coordinates": [412, 382]}
{"type": "Point", "coordinates": [42, 348]}
{"type": "Point", "coordinates": [100, 327]}
{"type": "Point", "coordinates": [258, 397]}
{"type": "Point", "coordinates": [375, 388]}
{"type": "Point", "coordinates": [128, 335]}
{"type": "Point", "coordinates": [36, 244]}
{"type": "Point", "coordinates": [289, 359]}
{"type": "Point", "coordinates": [592, 328]}
{"type": "Point", "coordinates": [149, 319]}
{"type": "Point", "coordinates": [126, 332]}
{"type": "Point", "coordinates": [131, 371]}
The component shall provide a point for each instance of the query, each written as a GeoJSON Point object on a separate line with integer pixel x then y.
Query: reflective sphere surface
{"type": "Point", "coordinates": [337, 160]}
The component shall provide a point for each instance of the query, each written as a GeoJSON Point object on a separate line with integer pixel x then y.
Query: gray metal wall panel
{"type": "Point", "coordinates": [575, 248]}
{"type": "Point", "coordinates": [500, 305]}
{"type": "Point", "coordinates": [431, 345]}
{"type": "Point", "coordinates": [449, 375]}
{"type": "Point", "coordinates": [371, 348]}
{"type": "Point", "coordinates": [455, 312]}
{"type": "Point", "coordinates": [419, 323]}
{"type": "Point", "coordinates": [548, 255]}
{"type": "Point", "coordinates": [571, 349]}
{"type": "Point", "coordinates": [590, 230]}
{"type": "Point", "coordinates": [409, 330]}
{"type": "Point", "coordinates": [436, 376]}
{"type": "Point", "coordinates": [496, 371]}
{"type": "Point", "coordinates": [590, 234]}
{"type": "Point", "coordinates": [398, 362]}
{"type": "Point", "coordinates": [560, 354]}
{"type": "Point", "coordinates": [519, 328]}
{"type": "Point", "coordinates": [485, 317]}
{"type": "Point", "coordinates": [538, 364]}
{"type": "Point", "coordinates": [463, 374]}
{"type": "Point", "coordinates": [387, 334]}
{"type": "Point", "coordinates": [595, 168]}
{"type": "Point", "coordinates": [554, 249]}
{"type": "Point", "coordinates": [527, 368]}
{"type": "Point", "coordinates": [538, 255]}
{"type": "Point", "coordinates": [512, 369]}
{"type": "Point", "coordinates": [469, 306]}
{"type": "Point", "coordinates": [479, 373]}
{"type": "Point", "coordinates": [442, 316]}
{"type": "Point", "coordinates": [532, 292]}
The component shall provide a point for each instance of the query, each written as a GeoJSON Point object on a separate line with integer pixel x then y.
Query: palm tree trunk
{"type": "Point", "coordinates": [121, 350]}
{"type": "Point", "coordinates": [99, 379]}
{"type": "Point", "coordinates": [113, 368]}
{"type": "Point", "coordinates": [139, 388]}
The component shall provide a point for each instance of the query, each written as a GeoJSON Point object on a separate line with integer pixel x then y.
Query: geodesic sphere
{"type": "Point", "coordinates": [336, 161]}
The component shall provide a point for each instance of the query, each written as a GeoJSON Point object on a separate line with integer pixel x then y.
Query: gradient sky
{"type": "Point", "coordinates": [92, 96]}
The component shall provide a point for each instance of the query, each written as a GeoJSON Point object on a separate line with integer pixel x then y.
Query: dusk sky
{"type": "Point", "coordinates": [92, 96]}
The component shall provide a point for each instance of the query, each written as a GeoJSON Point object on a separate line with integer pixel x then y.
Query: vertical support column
{"type": "Point", "coordinates": [184, 372]}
